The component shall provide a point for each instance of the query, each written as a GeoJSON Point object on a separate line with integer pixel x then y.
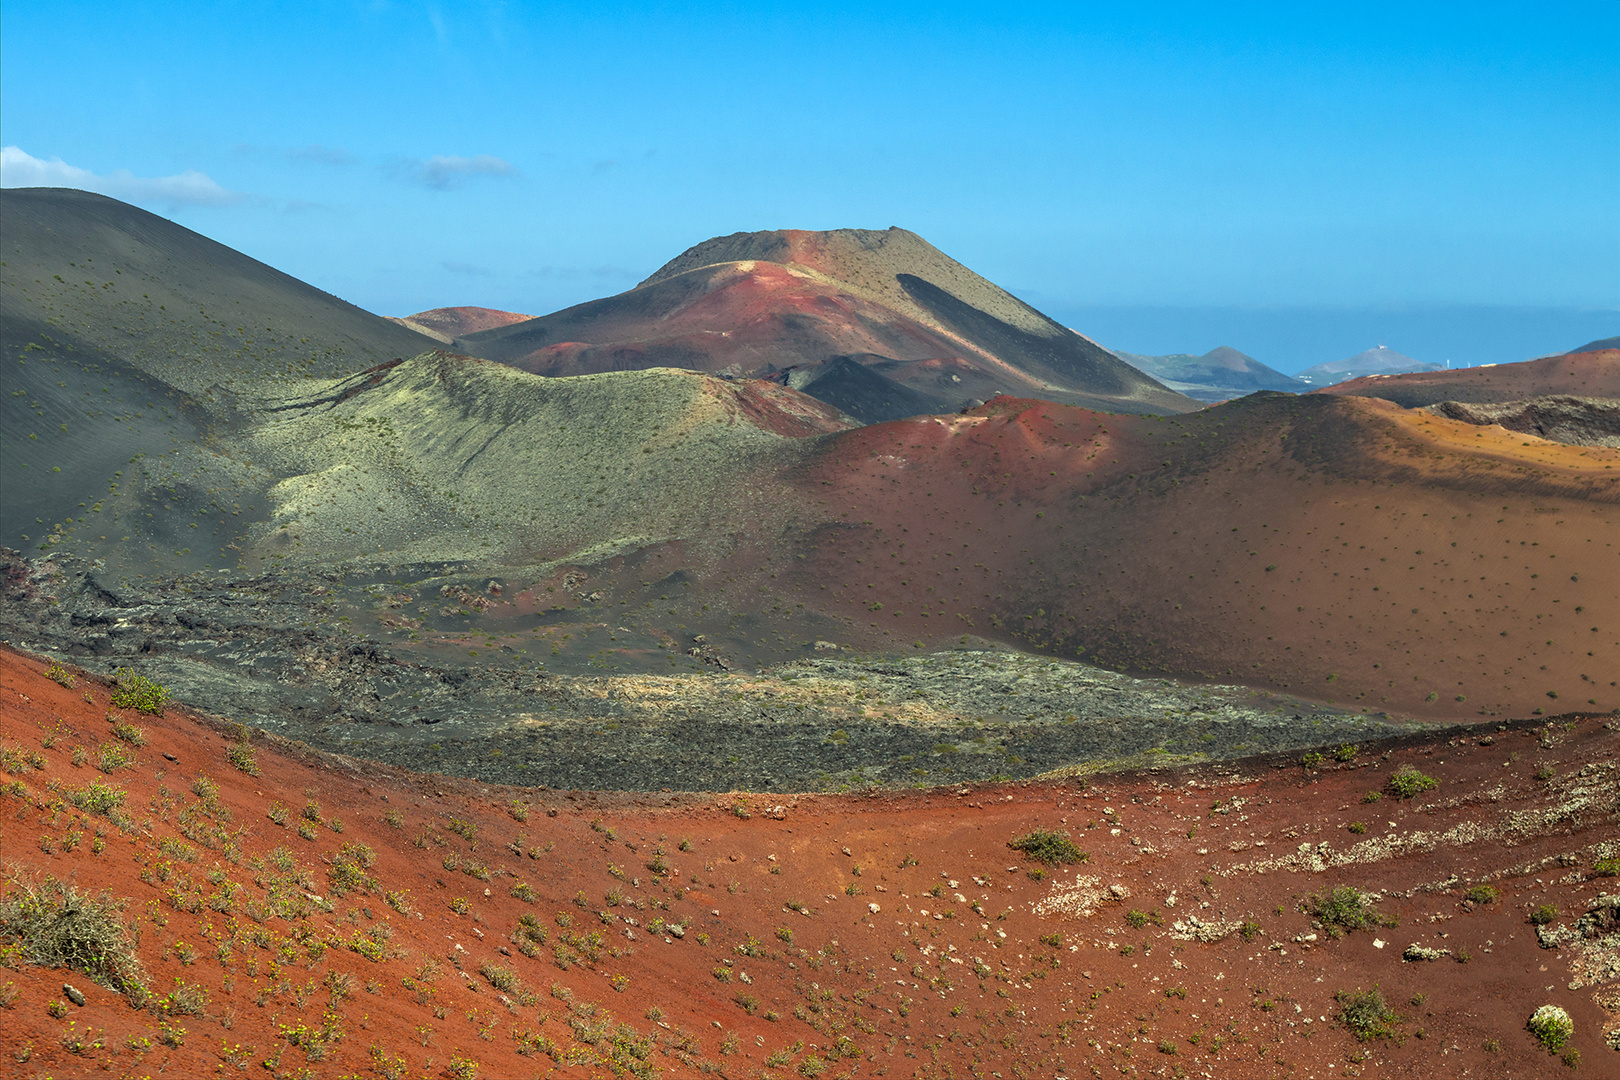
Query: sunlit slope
{"type": "Point", "coordinates": [444, 457]}
{"type": "Point", "coordinates": [1337, 547]}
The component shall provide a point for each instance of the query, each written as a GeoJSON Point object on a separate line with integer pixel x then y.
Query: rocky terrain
{"type": "Point", "coordinates": [824, 722]}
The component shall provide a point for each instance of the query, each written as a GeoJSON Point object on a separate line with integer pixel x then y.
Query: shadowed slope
{"type": "Point", "coordinates": [759, 303]}
{"type": "Point", "coordinates": [126, 335]}
{"type": "Point", "coordinates": [1336, 547]}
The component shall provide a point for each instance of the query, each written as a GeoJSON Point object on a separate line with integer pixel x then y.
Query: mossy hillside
{"type": "Point", "coordinates": [450, 458]}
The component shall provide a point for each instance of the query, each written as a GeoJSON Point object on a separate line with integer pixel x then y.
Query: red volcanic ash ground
{"type": "Point", "coordinates": [313, 915]}
{"type": "Point", "coordinates": [1338, 547]}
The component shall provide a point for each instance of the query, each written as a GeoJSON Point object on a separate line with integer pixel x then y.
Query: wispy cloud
{"type": "Point", "coordinates": [470, 269]}
{"type": "Point", "coordinates": [445, 172]}
{"type": "Point", "coordinates": [18, 168]}
{"type": "Point", "coordinates": [316, 154]}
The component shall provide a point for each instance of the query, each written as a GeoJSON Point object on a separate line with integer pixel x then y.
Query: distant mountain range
{"type": "Point", "coordinates": [878, 323]}
{"type": "Point", "coordinates": [1218, 375]}
{"type": "Point", "coordinates": [1599, 345]}
{"type": "Point", "coordinates": [1378, 360]}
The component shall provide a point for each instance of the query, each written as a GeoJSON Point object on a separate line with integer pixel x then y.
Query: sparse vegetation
{"type": "Point", "coordinates": [57, 925]}
{"type": "Point", "coordinates": [1482, 894]}
{"type": "Point", "coordinates": [1551, 1026]}
{"type": "Point", "coordinates": [1049, 847]}
{"type": "Point", "coordinates": [132, 691]}
{"type": "Point", "coordinates": [1345, 908]}
{"type": "Point", "coordinates": [1407, 782]}
{"type": "Point", "coordinates": [240, 756]}
{"type": "Point", "coordinates": [1366, 1015]}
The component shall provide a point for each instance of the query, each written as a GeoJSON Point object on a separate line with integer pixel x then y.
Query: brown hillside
{"type": "Point", "coordinates": [1336, 547]}
{"type": "Point", "coordinates": [1589, 374]}
{"type": "Point", "coordinates": [314, 915]}
{"type": "Point", "coordinates": [453, 322]}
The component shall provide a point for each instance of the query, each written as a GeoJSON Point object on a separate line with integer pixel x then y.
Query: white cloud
{"type": "Point", "coordinates": [18, 168]}
{"type": "Point", "coordinates": [442, 172]}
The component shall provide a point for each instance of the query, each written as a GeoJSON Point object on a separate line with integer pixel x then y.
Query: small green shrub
{"type": "Point", "coordinates": [1137, 919]}
{"type": "Point", "coordinates": [1551, 1026]}
{"type": "Point", "coordinates": [132, 691]}
{"type": "Point", "coordinates": [97, 798]}
{"type": "Point", "coordinates": [240, 755]}
{"type": "Point", "coordinates": [1366, 1015]}
{"type": "Point", "coordinates": [1345, 908]}
{"type": "Point", "coordinates": [60, 675]}
{"type": "Point", "coordinates": [1313, 760]}
{"type": "Point", "coordinates": [1482, 894]}
{"type": "Point", "coordinates": [130, 733]}
{"type": "Point", "coordinates": [1407, 782]}
{"type": "Point", "coordinates": [1543, 915]}
{"type": "Point", "coordinates": [1357, 827]}
{"type": "Point", "coordinates": [1606, 868]}
{"type": "Point", "coordinates": [110, 757]}
{"type": "Point", "coordinates": [1049, 847]}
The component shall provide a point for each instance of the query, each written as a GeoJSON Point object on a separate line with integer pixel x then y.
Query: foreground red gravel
{"type": "Point", "coordinates": [302, 914]}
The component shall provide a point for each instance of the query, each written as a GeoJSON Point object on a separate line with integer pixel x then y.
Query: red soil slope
{"type": "Point", "coordinates": [1589, 374]}
{"type": "Point", "coordinates": [1337, 547]}
{"type": "Point", "coordinates": [321, 916]}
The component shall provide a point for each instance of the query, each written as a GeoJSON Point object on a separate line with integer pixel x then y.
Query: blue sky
{"type": "Point", "coordinates": [1298, 183]}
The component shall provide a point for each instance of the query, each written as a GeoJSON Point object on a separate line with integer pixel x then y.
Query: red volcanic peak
{"type": "Point", "coordinates": [458, 321]}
